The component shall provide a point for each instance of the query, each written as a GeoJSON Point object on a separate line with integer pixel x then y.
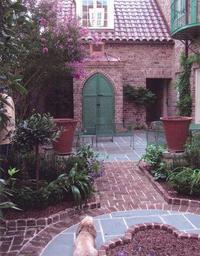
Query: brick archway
{"type": "Point", "coordinates": [114, 75]}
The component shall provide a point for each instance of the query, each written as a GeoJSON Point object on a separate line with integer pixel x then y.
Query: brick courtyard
{"type": "Point", "coordinates": [123, 187]}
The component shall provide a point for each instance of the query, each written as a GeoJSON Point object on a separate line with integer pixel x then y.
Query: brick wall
{"type": "Point", "coordinates": [137, 63]}
{"type": "Point", "coordinates": [113, 72]}
{"type": "Point", "coordinates": [141, 62]}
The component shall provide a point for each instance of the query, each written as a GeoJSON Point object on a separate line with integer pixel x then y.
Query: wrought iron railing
{"type": "Point", "coordinates": [184, 13]}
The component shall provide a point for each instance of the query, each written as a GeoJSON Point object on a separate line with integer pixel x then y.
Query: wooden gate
{"type": "Point", "coordinates": [98, 104]}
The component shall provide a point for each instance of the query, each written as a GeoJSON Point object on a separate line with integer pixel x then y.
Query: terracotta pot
{"type": "Point", "coordinates": [63, 144]}
{"type": "Point", "coordinates": [176, 132]}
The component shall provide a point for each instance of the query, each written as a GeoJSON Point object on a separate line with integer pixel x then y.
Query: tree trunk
{"type": "Point", "coordinates": [37, 165]}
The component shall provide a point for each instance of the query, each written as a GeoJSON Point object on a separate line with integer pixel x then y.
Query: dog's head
{"type": "Point", "coordinates": [87, 225]}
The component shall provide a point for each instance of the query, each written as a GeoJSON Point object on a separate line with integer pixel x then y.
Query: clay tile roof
{"type": "Point", "coordinates": [135, 20]}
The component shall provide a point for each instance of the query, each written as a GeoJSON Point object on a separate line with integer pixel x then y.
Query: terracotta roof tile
{"type": "Point", "coordinates": [135, 20]}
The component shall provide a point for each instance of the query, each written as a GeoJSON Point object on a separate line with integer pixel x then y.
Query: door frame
{"type": "Point", "coordinates": [113, 91]}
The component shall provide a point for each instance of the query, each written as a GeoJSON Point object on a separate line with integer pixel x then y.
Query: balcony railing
{"type": "Point", "coordinates": [185, 18]}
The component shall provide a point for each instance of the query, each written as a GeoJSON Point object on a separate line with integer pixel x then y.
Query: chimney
{"type": "Point", "coordinates": [97, 49]}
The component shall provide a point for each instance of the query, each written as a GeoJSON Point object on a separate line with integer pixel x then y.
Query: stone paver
{"type": "Point", "coordinates": [115, 224]}
{"type": "Point", "coordinates": [120, 149]}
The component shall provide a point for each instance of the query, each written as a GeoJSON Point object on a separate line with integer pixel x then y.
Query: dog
{"type": "Point", "coordinates": [85, 238]}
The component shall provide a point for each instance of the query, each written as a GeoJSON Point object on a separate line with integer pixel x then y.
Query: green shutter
{"type": "Point", "coordinates": [193, 11]}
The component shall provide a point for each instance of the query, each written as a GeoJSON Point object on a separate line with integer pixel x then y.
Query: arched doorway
{"type": "Point", "coordinates": [98, 103]}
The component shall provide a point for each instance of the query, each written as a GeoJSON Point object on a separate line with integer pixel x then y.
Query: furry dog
{"type": "Point", "coordinates": [85, 238]}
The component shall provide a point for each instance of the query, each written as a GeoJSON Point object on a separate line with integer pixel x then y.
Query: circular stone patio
{"type": "Point", "coordinates": [111, 226]}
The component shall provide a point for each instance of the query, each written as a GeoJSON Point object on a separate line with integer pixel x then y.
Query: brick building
{"type": "Point", "coordinates": [136, 49]}
{"type": "Point", "coordinates": [188, 28]}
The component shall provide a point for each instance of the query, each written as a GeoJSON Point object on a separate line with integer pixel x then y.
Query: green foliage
{"type": "Point", "coordinates": [52, 48]}
{"type": "Point", "coordinates": [12, 171]}
{"type": "Point", "coordinates": [162, 172]}
{"type": "Point", "coordinates": [60, 179]}
{"type": "Point", "coordinates": [140, 96]}
{"type": "Point", "coordinates": [87, 160]}
{"type": "Point", "coordinates": [77, 185]}
{"type": "Point", "coordinates": [153, 156]}
{"type": "Point", "coordinates": [27, 197]}
{"type": "Point", "coordinates": [183, 84]}
{"type": "Point", "coordinates": [185, 180]}
{"type": "Point", "coordinates": [14, 26]}
{"type": "Point", "coordinates": [33, 132]}
{"type": "Point", "coordinates": [192, 151]}
{"type": "Point", "coordinates": [5, 197]}
{"type": "Point", "coordinates": [36, 130]}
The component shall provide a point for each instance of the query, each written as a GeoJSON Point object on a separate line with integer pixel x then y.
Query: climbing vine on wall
{"type": "Point", "coordinates": [183, 84]}
{"type": "Point", "coordinates": [140, 96]}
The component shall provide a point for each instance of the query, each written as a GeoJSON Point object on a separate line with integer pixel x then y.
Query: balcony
{"type": "Point", "coordinates": [185, 19]}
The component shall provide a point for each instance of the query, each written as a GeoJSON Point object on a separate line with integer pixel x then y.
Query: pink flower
{"type": "Point", "coordinates": [77, 69]}
{"type": "Point", "coordinates": [45, 50]}
{"type": "Point", "coordinates": [84, 31]}
{"type": "Point", "coordinates": [43, 22]}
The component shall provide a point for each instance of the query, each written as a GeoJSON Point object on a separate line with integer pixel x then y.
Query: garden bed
{"type": "Point", "coordinates": [153, 240]}
{"type": "Point", "coordinates": [11, 214]}
{"type": "Point", "coordinates": [170, 195]}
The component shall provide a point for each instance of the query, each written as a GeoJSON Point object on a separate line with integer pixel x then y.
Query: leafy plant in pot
{"type": "Point", "coordinates": [177, 127]}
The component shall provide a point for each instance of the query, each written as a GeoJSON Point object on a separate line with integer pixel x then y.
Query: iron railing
{"type": "Point", "coordinates": [184, 13]}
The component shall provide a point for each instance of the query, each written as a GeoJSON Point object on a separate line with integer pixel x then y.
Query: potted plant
{"type": "Point", "coordinates": [177, 127]}
{"type": "Point", "coordinates": [63, 144]}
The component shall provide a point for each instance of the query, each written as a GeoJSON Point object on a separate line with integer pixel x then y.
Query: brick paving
{"type": "Point", "coordinates": [123, 187]}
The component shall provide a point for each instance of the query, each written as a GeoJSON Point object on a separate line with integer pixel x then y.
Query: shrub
{"type": "Point", "coordinates": [76, 185]}
{"type": "Point", "coordinates": [28, 198]}
{"type": "Point", "coordinates": [33, 132]}
{"type": "Point", "coordinates": [153, 156]}
{"type": "Point", "coordinates": [186, 181]}
{"type": "Point", "coordinates": [87, 160]}
{"type": "Point", "coordinates": [60, 179]}
{"type": "Point", "coordinates": [5, 197]}
{"type": "Point", "coordinates": [192, 151]}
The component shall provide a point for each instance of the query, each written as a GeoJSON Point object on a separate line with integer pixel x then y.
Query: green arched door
{"type": "Point", "coordinates": [98, 103]}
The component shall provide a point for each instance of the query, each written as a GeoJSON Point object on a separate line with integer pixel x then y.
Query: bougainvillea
{"type": "Point", "coordinates": [59, 36]}
{"type": "Point", "coordinates": [55, 48]}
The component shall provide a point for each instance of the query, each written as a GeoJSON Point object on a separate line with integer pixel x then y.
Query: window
{"type": "Point", "coordinates": [96, 13]}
